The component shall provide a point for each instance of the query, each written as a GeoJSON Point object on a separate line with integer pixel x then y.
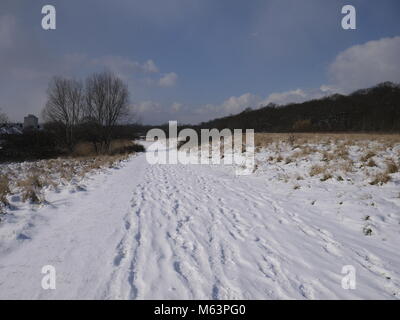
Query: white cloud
{"type": "Point", "coordinates": [176, 106]}
{"type": "Point", "coordinates": [238, 104]}
{"type": "Point", "coordinates": [154, 112]}
{"type": "Point", "coordinates": [297, 95]}
{"type": "Point", "coordinates": [168, 80]}
{"type": "Point", "coordinates": [357, 67]}
{"type": "Point", "coordinates": [144, 107]}
{"type": "Point", "coordinates": [125, 67]}
{"type": "Point", "coordinates": [365, 65]}
{"type": "Point", "coordinates": [234, 105]}
{"type": "Point", "coordinates": [231, 105]}
{"type": "Point", "coordinates": [150, 67]}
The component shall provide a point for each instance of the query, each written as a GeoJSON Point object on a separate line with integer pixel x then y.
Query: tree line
{"type": "Point", "coordinates": [90, 111]}
{"type": "Point", "coordinates": [375, 109]}
{"type": "Point", "coordinates": [93, 112]}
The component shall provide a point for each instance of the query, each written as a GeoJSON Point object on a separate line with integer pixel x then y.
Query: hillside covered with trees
{"type": "Point", "coordinates": [375, 109]}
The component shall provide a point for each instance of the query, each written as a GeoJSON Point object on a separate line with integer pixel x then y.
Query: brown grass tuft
{"type": "Point", "coordinates": [391, 166]}
{"type": "Point", "coordinates": [4, 191]}
{"type": "Point", "coordinates": [326, 176]}
{"type": "Point", "coordinates": [316, 170]}
{"type": "Point", "coordinates": [31, 189]}
{"type": "Point", "coordinates": [371, 163]}
{"type": "Point", "coordinates": [380, 179]}
{"type": "Point", "coordinates": [367, 156]}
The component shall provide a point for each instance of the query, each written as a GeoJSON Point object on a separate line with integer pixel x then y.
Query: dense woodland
{"type": "Point", "coordinates": [375, 109]}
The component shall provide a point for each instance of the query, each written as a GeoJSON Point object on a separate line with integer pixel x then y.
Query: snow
{"type": "Point", "coordinates": [10, 129]}
{"type": "Point", "coordinates": [162, 231]}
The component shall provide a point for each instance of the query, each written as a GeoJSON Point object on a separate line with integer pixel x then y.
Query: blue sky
{"type": "Point", "coordinates": [193, 60]}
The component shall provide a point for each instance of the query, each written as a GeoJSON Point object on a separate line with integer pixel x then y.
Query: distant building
{"type": "Point", "coordinates": [31, 122]}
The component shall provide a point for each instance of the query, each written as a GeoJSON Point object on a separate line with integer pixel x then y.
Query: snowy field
{"type": "Point", "coordinates": [141, 231]}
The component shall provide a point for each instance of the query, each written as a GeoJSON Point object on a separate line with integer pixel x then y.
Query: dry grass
{"type": "Point", "coordinates": [368, 156]}
{"type": "Point", "coordinates": [118, 146]}
{"type": "Point", "coordinates": [335, 155]}
{"type": "Point", "coordinates": [341, 151]}
{"type": "Point", "coordinates": [380, 179]}
{"type": "Point", "coordinates": [31, 180]}
{"type": "Point", "coordinates": [371, 163]}
{"type": "Point", "coordinates": [391, 166]}
{"type": "Point", "coordinates": [288, 160]}
{"type": "Point", "coordinates": [261, 140]}
{"type": "Point", "coordinates": [316, 170]}
{"type": "Point", "coordinates": [305, 151]}
{"type": "Point", "coordinates": [328, 156]}
{"type": "Point", "coordinates": [265, 139]}
{"type": "Point", "coordinates": [31, 189]}
{"type": "Point", "coordinates": [326, 176]}
{"type": "Point", "coordinates": [84, 149]}
{"type": "Point", "coordinates": [347, 166]}
{"type": "Point", "coordinates": [4, 191]}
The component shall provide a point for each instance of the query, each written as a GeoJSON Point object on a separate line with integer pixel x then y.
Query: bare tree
{"type": "Point", "coordinates": [64, 107]}
{"type": "Point", "coordinates": [107, 105]}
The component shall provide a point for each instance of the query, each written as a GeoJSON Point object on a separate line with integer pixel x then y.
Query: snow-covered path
{"type": "Point", "coordinates": [195, 231]}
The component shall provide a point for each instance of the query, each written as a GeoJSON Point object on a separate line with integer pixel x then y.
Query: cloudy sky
{"type": "Point", "coordinates": [193, 60]}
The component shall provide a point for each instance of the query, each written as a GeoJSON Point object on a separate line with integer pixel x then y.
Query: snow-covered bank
{"type": "Point", "coordinates": [199, 231]}
{"type": "Point", "coordinates": [76, 232]}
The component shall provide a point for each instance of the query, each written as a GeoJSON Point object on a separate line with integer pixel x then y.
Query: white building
{"type": "Point", "coordinates": [31, 122]}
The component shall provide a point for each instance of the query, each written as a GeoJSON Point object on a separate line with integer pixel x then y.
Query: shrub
{"type": "Point", "coordinates": [134, 147]}
{"type": "Point", "coordinates": [29, 146]}
{"type": "Point", "coordinates": [84, 149]}
{"type": "Point", "coordinates": [120, 146]}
